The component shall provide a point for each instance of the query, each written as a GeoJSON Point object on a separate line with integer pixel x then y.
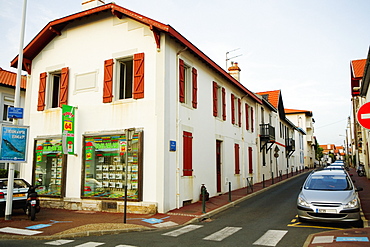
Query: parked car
{"type": "Point", "coordinates": [329, 196]}
{"type": "Point", "coordinates": [20, 190]}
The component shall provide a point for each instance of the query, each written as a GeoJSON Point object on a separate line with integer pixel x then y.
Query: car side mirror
{"type": "Point", "coordinates": [359, 189]}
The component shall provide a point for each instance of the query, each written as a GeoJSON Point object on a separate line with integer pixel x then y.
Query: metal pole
{"type": "Point", "coordinates": [203, 200]}
{"type": "Point", "coordinates": [9, 198]}
{"type": "Point", "coordinates": [229, 191]}
{"type": "Point", "coordinates": [126, 169]}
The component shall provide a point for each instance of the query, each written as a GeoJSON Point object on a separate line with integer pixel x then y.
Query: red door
{"type": "Point", "coordinates": [218, 165]}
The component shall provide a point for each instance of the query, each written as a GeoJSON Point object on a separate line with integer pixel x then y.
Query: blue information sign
{"type": "Point", "coordinates": [15, 112]}
{"type": "Point", "coordinates": [13, 145]}
{"type": "Point", "coordinates": [172, 146]}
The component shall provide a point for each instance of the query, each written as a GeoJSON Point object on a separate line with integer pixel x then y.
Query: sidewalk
{"type": "Point", "coordinates": [60, 223]}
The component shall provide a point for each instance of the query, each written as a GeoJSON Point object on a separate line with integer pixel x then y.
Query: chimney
{"type": "Point", "coordinates": [89, 4]}
{"type": "Point", "coordinates": [234, 71]}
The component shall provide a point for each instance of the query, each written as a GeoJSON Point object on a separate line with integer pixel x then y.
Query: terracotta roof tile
{"type": "Point", "coordinates": [271, 96]}
{"type": "Point", "coordinates": [296, 111]}
{"type": "Point", "coordinates": [9, 79]}
{"type": "Point", "coordinates": [358, 67]}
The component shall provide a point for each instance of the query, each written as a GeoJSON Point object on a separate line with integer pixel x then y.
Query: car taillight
{"type": "Point", "coordinates": [1, 195]}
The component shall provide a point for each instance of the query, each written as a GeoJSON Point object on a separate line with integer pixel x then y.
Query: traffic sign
{"type": "Point", "coordinates": [363, 115]}
{"type": "Point", "coordinates": [15, 112]}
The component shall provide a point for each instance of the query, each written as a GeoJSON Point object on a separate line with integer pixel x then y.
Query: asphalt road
{"type": "Point", "coordinates": [267, 219]}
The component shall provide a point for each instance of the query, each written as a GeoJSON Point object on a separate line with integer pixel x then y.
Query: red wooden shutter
{"type": "Point", "coordinates": [138, 92]}
{"type": "Point", "coordinates": [195, 87]}
{"type": "Point", "coordinates": [215, 100]}
{"type": "Point", "coordinates": [63, 99]}
{"type": "Point", "coordinates": [250, 159]}
{"type": "Point", "coordinates": [108, 81]}
{"type": "Point", "coordinates": [187, 153]}
{"type": "Point", "coordinates": [247, 116]}
{"type": "Point", "coordinates": [223, 104]}
{"type": "Point", "coordinates": [252, 120]}
{"type": "Point", "coordinates": [232, 109]}
{"type": "Point", "coordinates": [182, 81]}
{"type": "Point", "coordinates": [42, 88]}
{"type": "Point", "coordinates": [239, 113]}
{"type": "Point", "coordinates": [237, 163]}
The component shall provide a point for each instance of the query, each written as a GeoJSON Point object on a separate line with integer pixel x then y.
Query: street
{"type": "Point", "coordinates": [267, 219]}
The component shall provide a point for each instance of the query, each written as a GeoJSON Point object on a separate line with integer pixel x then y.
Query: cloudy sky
{"type": "Point", "coordinates": [303, 48]}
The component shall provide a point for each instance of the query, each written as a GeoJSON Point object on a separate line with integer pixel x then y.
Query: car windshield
{"type": "Point", "coordinates": [328, 182]}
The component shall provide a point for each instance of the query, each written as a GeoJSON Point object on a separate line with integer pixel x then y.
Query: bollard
{"type": "Point", "coordinates": [272, 177]}
{"type": "Point", "coordinates": [229, 191]}
{"type": "Point", "coordinates": [263, 180]}
{"type": "Point", "coordinates": [203, 199]}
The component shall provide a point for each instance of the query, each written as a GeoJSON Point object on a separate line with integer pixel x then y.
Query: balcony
{"type": "Point", "coordinates": [290, 146]}
{"type": "Point", "coordinates": [267, 132]}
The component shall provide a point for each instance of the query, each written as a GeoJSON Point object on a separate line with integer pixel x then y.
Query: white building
{"type": "Point", "coordinates": [192, 122]}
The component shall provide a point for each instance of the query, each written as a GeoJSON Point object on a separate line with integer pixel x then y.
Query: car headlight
{"type": "Point", "coordinates": [302, 202]}
{"type": "Point", "coordinates": [352, 204]}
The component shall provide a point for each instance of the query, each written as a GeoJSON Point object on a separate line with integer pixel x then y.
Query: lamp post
{"type": "Point", "coordinates": [129, 134]}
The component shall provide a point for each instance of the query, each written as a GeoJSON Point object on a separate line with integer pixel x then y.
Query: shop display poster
{"type": "Point", "coordinates": [13, 146]}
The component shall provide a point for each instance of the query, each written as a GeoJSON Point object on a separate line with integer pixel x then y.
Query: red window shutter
{"type": "Point", "coordinates": [138, 92]}
{"type": "Point", "coordinates": [250, 159]}
{"type": "Point", "coordinates": [187, 154]}
{"type": "Point", "coordinates": [252, 120]}
{"type": "Point", "coordinates": [223, 104]}
{"type": "Point", "coordinates": [215, 100]}
{"type": "Point", "coordinates": [108, 81]}
{"type": "Point", "coordinates": [247, 116]}
{"type": "Point", "coordinates": [182, 81]}
{"type": "Point", "coordinates": [195, 87]}
{"type": "Point", "coordinates": [237, 163]}
{"type": "Point", "coordinates": [239, 113]}
{"type": "Point", "coordinates": [63, 99]}
{"type": "Point", "coordinates": [42, 88]}
{"type": "Point", "coordinates": [232, 109]}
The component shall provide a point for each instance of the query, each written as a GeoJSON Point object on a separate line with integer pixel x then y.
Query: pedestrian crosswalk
{"type": "Point", "coordinates": [269, 238]}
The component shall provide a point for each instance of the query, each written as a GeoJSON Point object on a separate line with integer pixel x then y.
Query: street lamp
{"type": "Point", "coordinates": [129, 134]}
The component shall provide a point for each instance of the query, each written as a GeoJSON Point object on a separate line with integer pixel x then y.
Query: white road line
{"type": "Point", "coordinates": [270, 238]}
{"type": "Point", "coordinates": [123, 245]}
{"type": "Point", "coordinates": [59, 242]}
{"type": "Point", "coordinates": [222, 234]}
{"type": "Point", "coordinates": [182, 230]}
{"type": "Point", "coordinates": [89, 244]}
{"type": "Point", "coordinates": [19, 231]}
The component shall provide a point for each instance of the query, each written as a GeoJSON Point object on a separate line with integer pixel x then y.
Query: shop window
{"type": "Point", "coordinates": [106, 166]}
{"type": "Point", "coordinates": [49, 167]}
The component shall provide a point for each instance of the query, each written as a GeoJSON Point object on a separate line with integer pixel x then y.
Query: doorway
{"type": "Point", "coordinates": [218, 165]}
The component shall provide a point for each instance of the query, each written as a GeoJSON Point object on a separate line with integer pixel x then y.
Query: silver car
{"type": "Point", "coordinates": [329, 196]}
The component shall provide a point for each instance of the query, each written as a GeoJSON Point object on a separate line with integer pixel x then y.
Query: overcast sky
{"type": "Point", "coordinates": [303, 48]}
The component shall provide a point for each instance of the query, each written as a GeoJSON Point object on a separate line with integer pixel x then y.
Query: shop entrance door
{"type": "Point", "coordinates": [218, 165]}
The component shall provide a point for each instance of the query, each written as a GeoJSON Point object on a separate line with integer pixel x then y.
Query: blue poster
{"type": "Point", "coordinates": [13, 146]}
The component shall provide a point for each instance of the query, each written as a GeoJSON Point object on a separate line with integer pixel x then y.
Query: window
{"type": "Point", "coordinates": [237, 160]}
{"type": "Point", "coordinates": [124, 78]}
{"type": "Point", "coordinates": [53, 87]}
{"type": "Point", "coordinates": [8, 101]}
{"type": "Point", "coordinates": [49, 167]}
{"type": "Point", "coordinates": [219, 101]}
{"type": "Point", "coordinates": [246, 116]}
{"type": "Point", "coordinates": [106, 166]}
{"type": "Point", "coordinates": [236, 110]}
{"type": "Point", "coordinates": [188, 84]}
{"type": "Point", "coordinates": [128, 79]}
{"type": "Point", "coordinates": [187, 154]}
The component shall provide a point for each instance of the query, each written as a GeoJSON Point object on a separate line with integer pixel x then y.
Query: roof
{"type": "Point", "coordinates": [358, 67]}
{"type": "Point", "coordinates": [54, 28]}
{"type": "Point", "coordinates": [8, 78]}
{"type": "Point", "coordinates": [296, 111]}
{"type": "Point", "coordinates": [271, 96]}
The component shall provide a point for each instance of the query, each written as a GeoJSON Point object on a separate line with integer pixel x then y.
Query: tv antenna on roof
{"type": "Point", "coordinates": [228, 58]}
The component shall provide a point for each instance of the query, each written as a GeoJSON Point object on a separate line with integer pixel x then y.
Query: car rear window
{"type": "Point", "coordinates": [328, 182]}
{"type": "Point", "coordinates": [18, 183]}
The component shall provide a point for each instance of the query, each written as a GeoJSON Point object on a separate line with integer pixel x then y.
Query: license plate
{"type": "Point", "coordinates": [19, 195]}
{"type": "Point", "coordinates": [328, 211]}
{"type": "Point", "coordinates": [33, 202]}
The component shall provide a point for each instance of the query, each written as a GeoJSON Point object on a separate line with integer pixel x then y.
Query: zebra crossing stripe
{"type": "Point", "coordinates": [59, 242]}
{"type": "Point", "coordinates": [222, 234]}
{"type": "Point", "coordinates": [182, 230]}
{"type": "Point", "coordinates": [19, 231]}
{"type": "Point", "coordinates": [89, 244]}
{"type": "Point", "coordinates": [270, 238]}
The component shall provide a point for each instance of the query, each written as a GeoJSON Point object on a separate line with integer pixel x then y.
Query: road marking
{"type": "Point", "coordinates": [182, 230]}
{"type": "Point", "coordinates": [270, 238]}
{"type": "Point", "coordinates": [123, 245]}
{"type": "Point", "coordinates": [59, 242]}
{"type": "Point", "coordinates": [323, 239]}
{"type": "Point", "coordinates": [89, 244]}
{"type": "Point", "coordinates": [222, 234]}
{"type": "Point", "coordinates": [19, 231]}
